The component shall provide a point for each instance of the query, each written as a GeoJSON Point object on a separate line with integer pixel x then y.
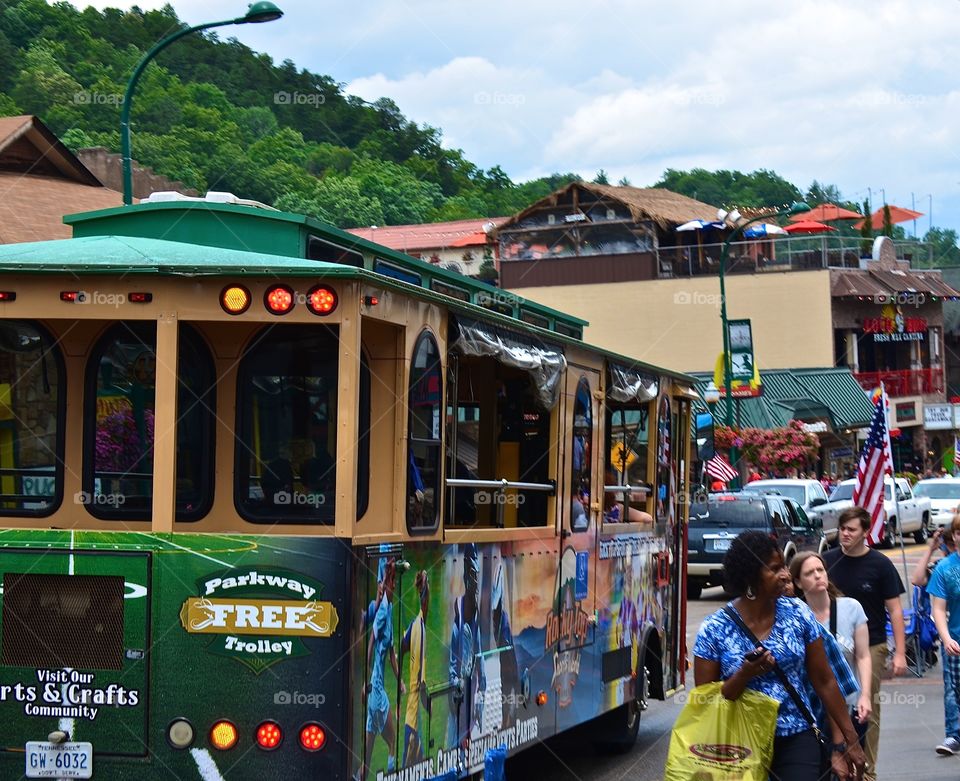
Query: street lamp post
{"type": "Point", "coordinates": [262, 11]}
{"type": "Point", "coordinates": [734, 218]}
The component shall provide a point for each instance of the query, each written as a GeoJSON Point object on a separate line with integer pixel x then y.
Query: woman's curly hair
{"type": "Point", "coordinates": [748, 555]}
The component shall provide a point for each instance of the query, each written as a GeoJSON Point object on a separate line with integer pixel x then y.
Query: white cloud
{"type": "Point", "coordinates": [860, 95]}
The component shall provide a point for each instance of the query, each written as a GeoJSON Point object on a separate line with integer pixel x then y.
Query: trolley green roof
{"type": "Point", "coordinates": [302, 240]}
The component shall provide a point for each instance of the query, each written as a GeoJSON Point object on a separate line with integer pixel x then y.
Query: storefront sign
{"type": "Point", "coordinates": [740, 339]}
{"type": "Point", "coordinates": [894, 327]}
{"type": "Point", "coordinates": [817, 427]}
{"type": "Point", "coordinates": [840, 452]}
{"type": "Point", "coordinates": [907, 412]}
{"type": "Point", "coordinates": [938, 416]}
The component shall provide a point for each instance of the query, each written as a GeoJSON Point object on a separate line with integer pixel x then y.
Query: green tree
{"type": "Point", "coordinates": [866, 230]}
{"type": "Point", "coordinates": [44, 88]}
{"type": "Point", "coordinates": [945, 250]}
{"type": "Point", "coordinates": [601, 177]}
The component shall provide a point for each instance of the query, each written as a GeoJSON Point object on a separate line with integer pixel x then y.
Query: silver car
{"type": "Point", "coordinates": [944, 494]}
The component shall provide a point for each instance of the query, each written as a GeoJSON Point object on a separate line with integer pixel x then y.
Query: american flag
{"type": "Point", "coordinates": [875, 462]}
{"type": "Point", "coordinates": [719, 467]}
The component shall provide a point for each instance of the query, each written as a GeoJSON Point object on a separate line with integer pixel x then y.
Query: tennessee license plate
{"type": "Point", "coordinates": [721, 544]}
{"type": "Point", "coordinates": [59, 760]}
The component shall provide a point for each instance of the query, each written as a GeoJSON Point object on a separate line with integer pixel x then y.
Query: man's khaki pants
{"type": "Point", "coordinates": [878, 661]}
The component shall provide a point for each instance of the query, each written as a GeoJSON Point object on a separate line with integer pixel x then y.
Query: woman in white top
{"type": "Point", "coordinates": [810, 580]}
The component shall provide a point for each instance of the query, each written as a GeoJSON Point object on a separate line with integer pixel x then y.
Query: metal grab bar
{"type": "Point", "coordinates": [499, 485]}
{"type": "Point", "coordinates": [614, 489]}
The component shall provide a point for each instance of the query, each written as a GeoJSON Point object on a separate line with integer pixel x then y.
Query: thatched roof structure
{"type": "Point", "coordinates": [665, 208]}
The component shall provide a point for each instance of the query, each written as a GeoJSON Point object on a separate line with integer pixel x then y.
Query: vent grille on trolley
{"type": "Point", "coordinates": [63, 621]}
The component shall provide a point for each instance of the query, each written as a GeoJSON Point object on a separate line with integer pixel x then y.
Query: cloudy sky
{"type": "Point", "coordinates": [863, 95]}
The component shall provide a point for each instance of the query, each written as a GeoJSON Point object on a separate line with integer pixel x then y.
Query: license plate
{"type": "Point", "coordinates": [59, 760]}
{"type": "Point", "coordinates": [721, 544]}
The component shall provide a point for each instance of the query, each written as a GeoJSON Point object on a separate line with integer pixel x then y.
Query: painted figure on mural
{"type": "Point", "coordinates": [628, 621]}
{"type": "Point", "coordinates": [414, 644]}
{"type": "Point", "coordinates": [380, 719]}
{"type": "Point", "coordinates": [511, 687]}
{"type": "Point", "coordinates": [466, 672]}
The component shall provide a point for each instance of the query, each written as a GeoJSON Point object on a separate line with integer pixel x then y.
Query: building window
{"type": "Point", "coordinates": [32, 407]}
{"type": "Point", "coordinates": [425, 404]}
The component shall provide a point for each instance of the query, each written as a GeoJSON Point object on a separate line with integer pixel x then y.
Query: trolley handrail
{"type": "Point", "coordinates": [459, 482]}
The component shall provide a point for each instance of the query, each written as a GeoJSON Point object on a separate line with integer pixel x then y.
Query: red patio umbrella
{"type": "Point", "coordinates": [808, 226]}
{"type": "Point", "coordinates": [827, 212]}
{"type": "Point", "coordinates": [897, 214]}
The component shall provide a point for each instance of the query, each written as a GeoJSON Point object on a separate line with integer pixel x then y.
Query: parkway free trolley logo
{"type": "Point", "coordinates": [259, 617]}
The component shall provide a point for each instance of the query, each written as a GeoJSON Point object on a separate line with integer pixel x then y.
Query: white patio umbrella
{"type": "Point", "coordinates": [763, 229]}
{"type": "Point", "coordinates": [699, 225]}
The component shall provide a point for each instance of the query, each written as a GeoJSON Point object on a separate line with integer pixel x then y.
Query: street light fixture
{"type": "Point", "coordinates": [262, 11]}
{"type": "Point", "coordinates": [734, 218]}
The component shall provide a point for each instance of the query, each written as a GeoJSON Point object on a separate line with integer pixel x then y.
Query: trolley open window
{"type": "Point", "coordinates": [502, 398]}
{"type": "Point", "coordinates": [31, 420]}
{"type": "Point", "coordinates": [425, 403]}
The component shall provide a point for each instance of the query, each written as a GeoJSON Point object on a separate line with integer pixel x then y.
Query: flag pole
{"type": "Point", "coordinates": [918, 662]}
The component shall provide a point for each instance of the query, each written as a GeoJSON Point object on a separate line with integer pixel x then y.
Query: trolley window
{"type": "Point", "coordinates": [626, 463]}
{"type": "Point", "coordinates": [581, 485]}
{"type": "Point", "coordinates": [286, 426]}
{"type": "Point", "coordinates": [502, 393]}
{"type": "Point", "coordinates": [119, 409]}
{"type": "Point", "coordinates": [32, 409]}
{"type": "Point", "coordinates": [425, 404]}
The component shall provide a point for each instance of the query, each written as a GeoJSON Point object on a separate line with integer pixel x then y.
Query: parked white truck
{"type": "Point", "coordinates": [908, 515]}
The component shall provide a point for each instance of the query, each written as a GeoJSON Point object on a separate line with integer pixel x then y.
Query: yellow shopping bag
{"type": "Point", "coordinates": [716, 739]}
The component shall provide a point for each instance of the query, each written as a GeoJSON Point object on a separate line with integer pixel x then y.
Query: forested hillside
{"type": "Point", "coordinates": [217, 115]}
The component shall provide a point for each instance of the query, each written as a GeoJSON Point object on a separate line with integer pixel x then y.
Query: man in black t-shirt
{"type": "Point", "coordinates": [870, 578]}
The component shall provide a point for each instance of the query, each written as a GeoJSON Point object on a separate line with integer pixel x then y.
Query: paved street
{"type": "Point", "coordinates": [912, 726]}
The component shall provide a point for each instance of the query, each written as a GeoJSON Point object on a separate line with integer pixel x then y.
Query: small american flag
{"type": "Point", "coordinates": [719, 467]}
{"type": "Point", "coordinates": [875, 463]}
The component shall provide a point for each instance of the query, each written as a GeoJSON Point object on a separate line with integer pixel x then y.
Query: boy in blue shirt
{"type": "Point", "coordinates": [944, 591]}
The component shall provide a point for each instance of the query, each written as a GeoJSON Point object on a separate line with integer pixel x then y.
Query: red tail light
{"type": "Point", "coordinates": [278, 299]}
{"type": "Point", "coordinates": [321, 300]}
{"type": "Point", "coordinates": [269, 735]}
{"type": "Point", "coordinates": [312, 737]}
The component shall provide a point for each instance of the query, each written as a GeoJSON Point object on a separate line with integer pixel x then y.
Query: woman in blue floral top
{"type": "Point", "coordinates": [754, 569]}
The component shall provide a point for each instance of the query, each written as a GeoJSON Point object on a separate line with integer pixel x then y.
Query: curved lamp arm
{"type": "Point", "coordinates": [258, 12]}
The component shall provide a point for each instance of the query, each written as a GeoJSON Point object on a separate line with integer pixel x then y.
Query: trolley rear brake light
{"type": "Point", "coordinates": [269, 735]}
{"type": "Point", "coordinates": [8, 295]}
{"type": "Point", "coordinates": [71, 296]}
{"type": "Point", "coordinates": [223, 735]}
{"type": "Point", "coordinates": [312, 737]}
{"type": "Point", "coordinates": [140, 298]}
{"type": "Point", "coordinates": [321, 300]}
{"type": "Point", "coordinates": [278, 299]}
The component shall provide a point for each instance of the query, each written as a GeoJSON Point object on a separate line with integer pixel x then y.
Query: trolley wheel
{"type": "Point", "coordinates": [616, 732]}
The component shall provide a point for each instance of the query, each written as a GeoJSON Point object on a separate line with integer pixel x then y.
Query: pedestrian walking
{"type": "Point", "coordinates": [869, 577]}
{"type": "Point", "coordinates": [754, 570]}
{"type": "Point", "coordinates": [844, 619]}
{"type": "Point", "coordinates": [943, 542]}
{"type": "Point", "coordinates": [944, 590]}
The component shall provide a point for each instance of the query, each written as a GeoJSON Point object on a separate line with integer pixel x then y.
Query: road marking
{"type": "Point", "coordinates": [206, 765]}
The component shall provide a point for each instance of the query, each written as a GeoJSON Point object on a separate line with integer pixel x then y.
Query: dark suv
{"type": "Point", "coordinates": [715, 522]}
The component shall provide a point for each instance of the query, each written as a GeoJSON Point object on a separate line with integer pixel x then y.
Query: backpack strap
{"type": "Point", "coordinates": [833, 616]}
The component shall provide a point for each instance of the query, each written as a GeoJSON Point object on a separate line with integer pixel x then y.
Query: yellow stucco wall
{"type": "Point", "coordinates": [675, 323]}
